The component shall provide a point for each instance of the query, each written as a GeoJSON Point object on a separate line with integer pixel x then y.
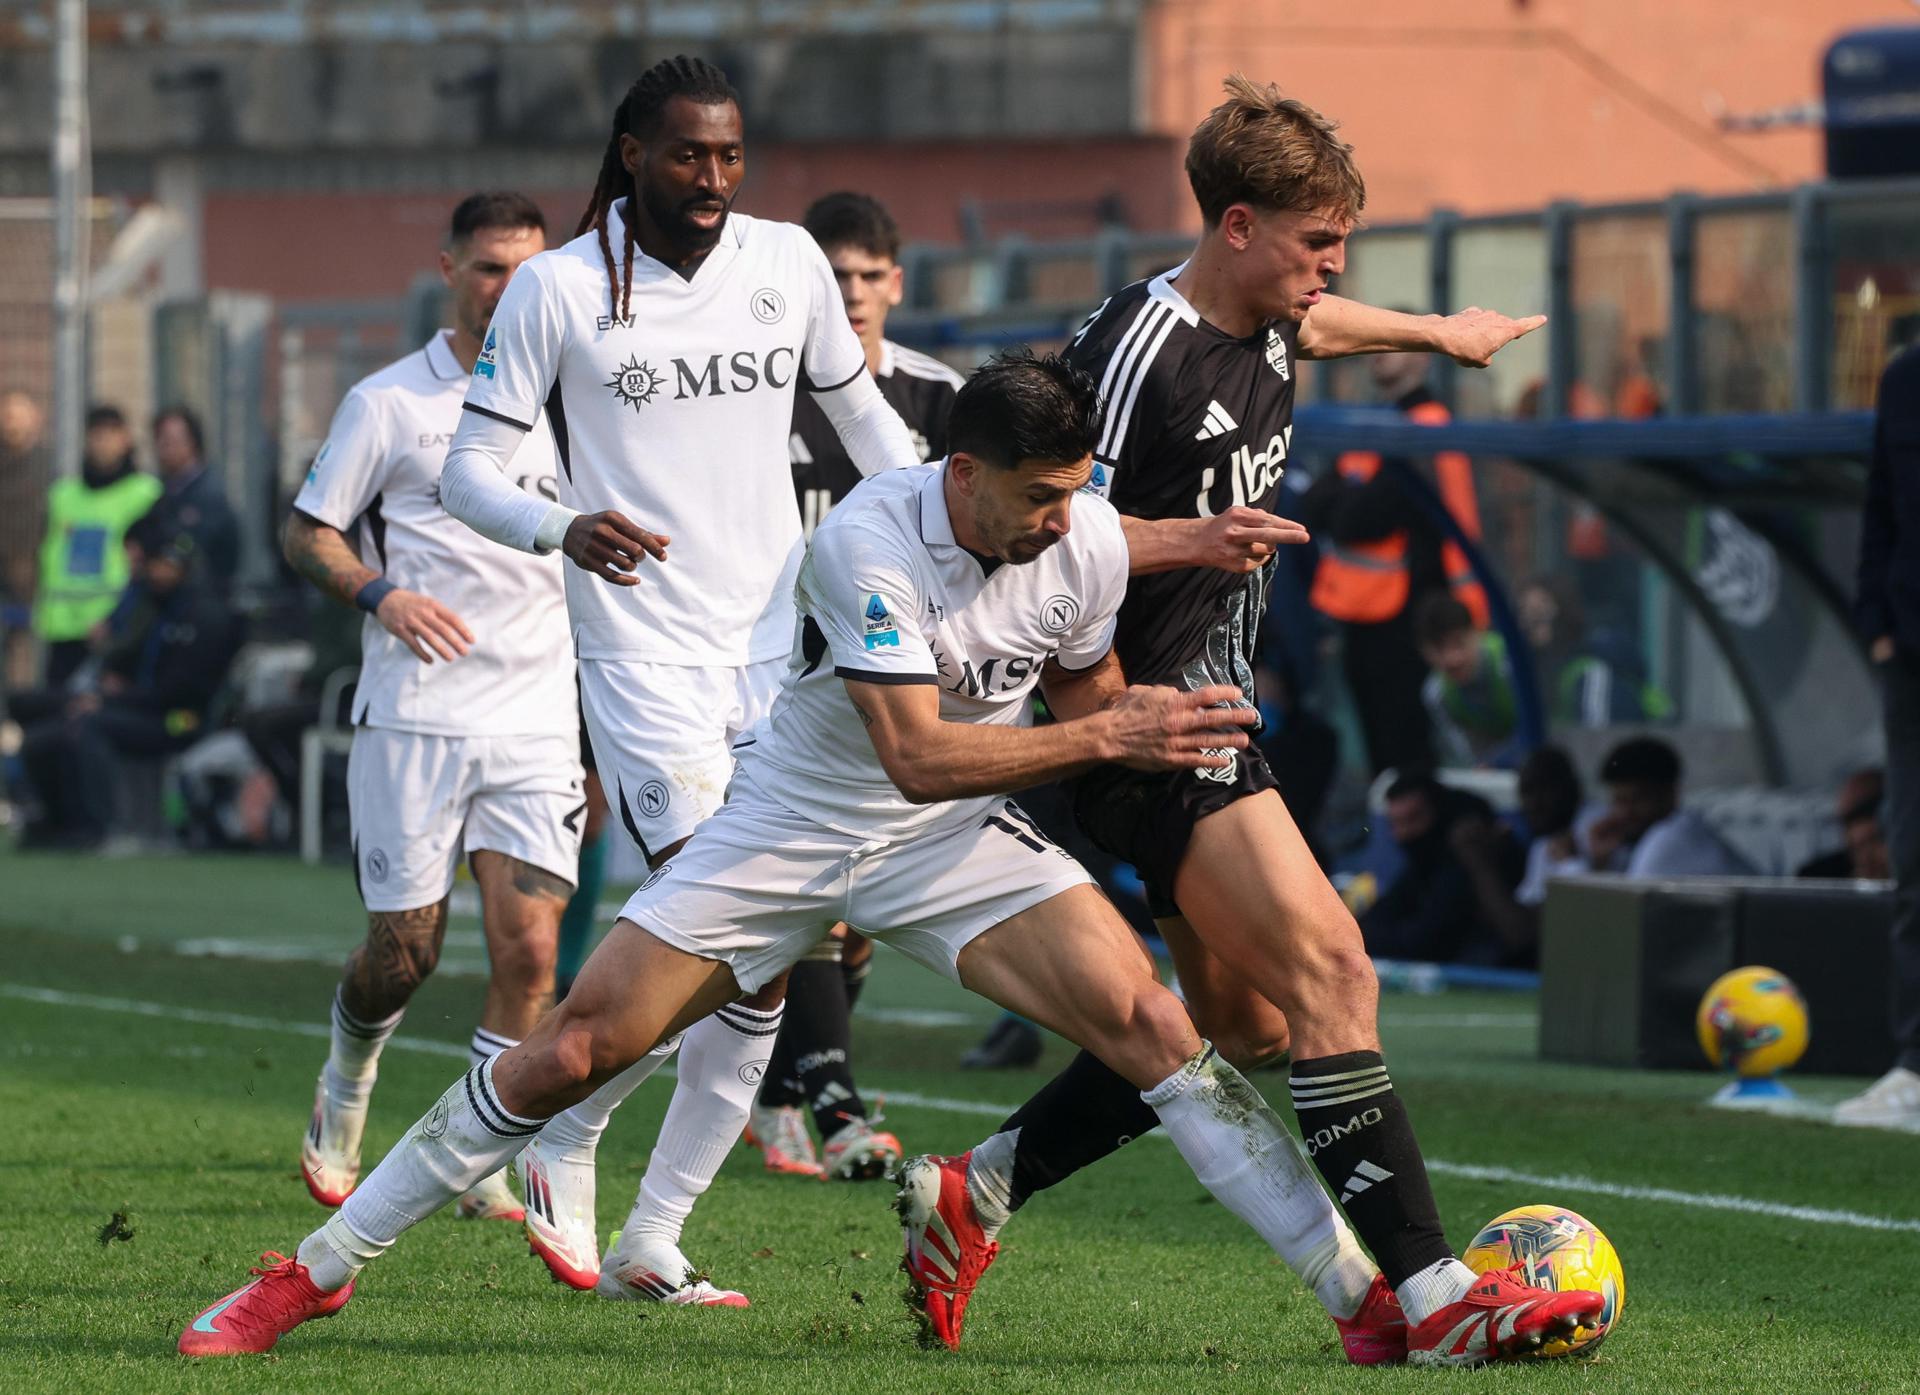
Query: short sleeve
{"type": "Point", "coordinates": [1090, 634]}
{"type": "Point", "coordinates": [859, 590]}
{"type": "Point", "coordinates": [520, 359]}
{"type": "Point", "coordinates": [351, 468]}
{"type": "Point", "coordinates": [833, 356]}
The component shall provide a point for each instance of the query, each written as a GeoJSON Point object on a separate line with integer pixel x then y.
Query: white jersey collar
{"type": "Point", "coordinates": [1161, 289]}
{"type": "Point", "coordinates": [440, 357]}
{"type": "Point", "coordinates": [886, 359]}
{"type": "Point", "coordinates": [936, 524]}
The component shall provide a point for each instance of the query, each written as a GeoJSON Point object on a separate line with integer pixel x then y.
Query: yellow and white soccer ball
{"type": "Point", "coordinates": [1753, 1022]}
{"type": "Point", "coordinates": [1560, 1250]}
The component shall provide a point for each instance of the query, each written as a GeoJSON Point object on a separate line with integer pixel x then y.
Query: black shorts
{"type": "Point", "coordinates": [1148, 820]}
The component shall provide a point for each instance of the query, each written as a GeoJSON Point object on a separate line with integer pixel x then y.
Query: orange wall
{"type": "Point", "coordinates": [341, 246]}
{"type": "Point", "coordinates": [1493, 105]}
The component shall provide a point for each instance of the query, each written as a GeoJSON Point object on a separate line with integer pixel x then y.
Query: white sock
{"type": "Point", "coordinates": [722, 1061]}
{"type": "Point", "coordinates": [575, 1133]}
{"type": "Point", "coordinates": [990, 1180]}
{"type": "Point", "coordinates": [485, 1045]}
{"type": "Point", "coordinates": [353, 1055]}
{"type": "Point", "coordinates": [465, 1136]}
{"type": "Point", "coordinates": [1430, 1290]}
{"type": "Point", "coordinates": [1240, 1151]}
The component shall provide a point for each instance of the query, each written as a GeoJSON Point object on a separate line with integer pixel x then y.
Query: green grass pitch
{"type": "Point", "coordinates": [149, 1071]}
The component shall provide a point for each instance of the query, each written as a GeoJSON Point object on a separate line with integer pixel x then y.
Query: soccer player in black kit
{"type": "Point", "coordinates": [812, 1068]}
{"type": "Point", "coordinates": [1198, 369]}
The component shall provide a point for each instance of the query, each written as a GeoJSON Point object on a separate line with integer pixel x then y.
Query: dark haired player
{"type": "Point", "coordinates": [875, 793]}
{"type": "Point", "coordinates": [666, 342]}
{"type": "Point", "coordinates": [812, 1069]}
{"type": "Point", "coordinates": [462, 743]}
{"type": "Point", "coordinates": [1198, 367]}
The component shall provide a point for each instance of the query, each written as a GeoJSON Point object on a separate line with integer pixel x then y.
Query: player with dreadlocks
{"type": "Point", "coordinates": [665, 343]}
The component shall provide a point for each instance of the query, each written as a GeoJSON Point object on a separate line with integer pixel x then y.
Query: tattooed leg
{"type": "Point", "coordinates": [521, 906]}
{"type": "Point", "coordinates": [400, 950]}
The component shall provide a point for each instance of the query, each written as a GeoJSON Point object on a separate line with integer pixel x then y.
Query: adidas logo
{"type": "Point", "coordinates": [1218, 423]}
{"type": "Point", "coordinates": [1364, 1176]}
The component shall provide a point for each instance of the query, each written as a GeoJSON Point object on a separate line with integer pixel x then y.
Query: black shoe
{"type": "Point", "coordinates": [1013, 1044]}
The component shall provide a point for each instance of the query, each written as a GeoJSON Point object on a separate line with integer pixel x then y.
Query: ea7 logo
{"type": "Point", "coordinates": [606, 322]}
{"type": "Point", "coordinates": [1253, 473]}
{"type": "Point", "coordinates": [1321, 1138]}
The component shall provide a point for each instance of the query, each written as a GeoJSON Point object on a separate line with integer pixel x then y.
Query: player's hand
{"type": "Point", "coordinates": [1241, 539]}
{"type": "Point", "coordinates": [425, 626]}
{"type": "Point", "coordinates": [1606, 836]}
{"type": "Point", "coordinates": [610, 545]}
{"type": "Point", "coordinates": [1155, 728]}
{"type": "Point", "coordinates": [1473, 336]}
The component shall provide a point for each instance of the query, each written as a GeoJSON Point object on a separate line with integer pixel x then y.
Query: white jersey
{"type": "Point", "coordinates": [887, 595]}
{"type": "Point", "coordinates": [380, 469]}
{"type": "Point", "coordinates": [677, 417]}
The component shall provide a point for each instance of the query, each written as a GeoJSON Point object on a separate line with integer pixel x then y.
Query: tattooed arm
{"type": "Point", "coordinates": [321, 553]}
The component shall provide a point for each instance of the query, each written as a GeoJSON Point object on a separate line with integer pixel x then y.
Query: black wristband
{"type": "Point", "coordinates": [368, 597]}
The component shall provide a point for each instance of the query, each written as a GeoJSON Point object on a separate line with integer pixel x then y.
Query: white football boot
{"type": "Point", "coordinates": [491, 1199]}
{"type": "Point", "coordinates": [1891, 1102]}
{"type": "Point", "coordinates": [559, 1187]}
{"type": "Point", "coordinates": [330, 1151]}
{"type": "Point", "coordinates": [656, 1272]}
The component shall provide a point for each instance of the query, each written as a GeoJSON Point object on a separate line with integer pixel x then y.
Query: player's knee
{"type": "Point", "coordinates": [572, 1057]}
{"type": "Point", "coordinates": [524, 959]}
{"type": "Point", "coordinates": [1336, 972]}
{"type": "Point", "coordinates": [1250, 1045]}
{"type": "Point", "coordinates": [1160, 1029]}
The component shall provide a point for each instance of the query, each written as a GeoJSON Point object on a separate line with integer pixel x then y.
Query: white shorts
{"type": "Point", "coordinates": [418, 802]}
{"type": "Point", "coordinates": [759, 886]}
{"type": "Point", "coordinates": [663, 738]}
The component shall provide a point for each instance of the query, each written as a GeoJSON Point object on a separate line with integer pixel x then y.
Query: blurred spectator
{"type": "Point", "coordinates": [1552, 824]}
{"type": "Point", "coordinates": [1302, 749]}
{"type": "Point", "coordinates": [166, 658]}
{"type": "Point", "coordinates": [1379, 554]}
{"type": "Point", "coordinates": [192, 501]}
{"type": "Point", "coordinates": [1432, 912]}
{"type": "Point", "coordinates": [1888, 611]}
{"type": "Point", "coordinates": [1645, 832]}
{"type": "Point", "coordinates": [1469, 695]}
{"type": "Point", "coordinates": [23, 507]}
{"type": "Point", "coordinates": [83, 559]}
{"type": "Point", "coordinates": [1857, 810]}
{"type": "Point", "coordinates": [1584, 683]}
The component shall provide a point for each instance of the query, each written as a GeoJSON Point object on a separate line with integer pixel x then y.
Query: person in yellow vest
{"type": "Point", "coordinates": [1379, 554]}
{"type": "Point", "coordinates": [83, 559]}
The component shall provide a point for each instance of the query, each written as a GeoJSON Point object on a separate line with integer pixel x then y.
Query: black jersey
{"type": "Point", "coordinates": [921, 390]}
{"type": "Point", "coordinates": [1197, 421]}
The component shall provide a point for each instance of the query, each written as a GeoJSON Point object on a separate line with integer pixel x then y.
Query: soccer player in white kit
{"type": "Point", "coordinates": [666, 343]}
{"type": "Point", "coordinates": [465, 734]}
{"type": "Point", "coordinates": [933, 602]}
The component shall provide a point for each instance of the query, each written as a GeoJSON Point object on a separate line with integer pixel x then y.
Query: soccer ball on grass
{"type": "Point", "coordinates": [1560, 1250]}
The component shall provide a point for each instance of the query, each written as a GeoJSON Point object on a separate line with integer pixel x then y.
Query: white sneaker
{"type": "Point", "coordinates": [858, 1152]}
{"type": "Point", "coordinates": [330, 1152]}
{"type": "Point", "coordinates": [559, 1188]}
{"type": "Point", "coordinates": [659, 1273]}
{"type": "Point", "coordinates": [1891, 1102]}
{"type": "Point", "coordinates": [491, 1199]}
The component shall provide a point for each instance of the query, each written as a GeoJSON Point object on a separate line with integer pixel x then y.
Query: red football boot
{"type": "Point", "coordinates": [1377, 1334]}
{"type": "Point", "coordinates": [947, 1250]}
{"type": "Point", "coordinates": [1499, 1318]}
{"type": "Point", "coordinates": [252, 1318]}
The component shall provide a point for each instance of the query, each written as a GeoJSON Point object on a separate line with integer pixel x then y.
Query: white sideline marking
{"type": "Point", "coordinates": [1708, 1201]}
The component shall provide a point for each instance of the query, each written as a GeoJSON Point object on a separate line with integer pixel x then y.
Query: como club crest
{"type": "Point", "coordinates": [1277, 354]}
{"type": "Point", "coordinates": [635, 383]}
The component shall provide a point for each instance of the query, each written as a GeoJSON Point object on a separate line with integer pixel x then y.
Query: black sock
{"type": "Point", "coordinates": [854, 976]}
{"type": "Point", "coordinates": [780, 1086]}
{"type": "Point", "coordinates": [1357, 1133]}
{"type": "Point", "coordinates": [1076, 1118]}
{"type": "Point", "coordinates": [818, 1031]}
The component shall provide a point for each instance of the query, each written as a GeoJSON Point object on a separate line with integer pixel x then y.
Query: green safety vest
{"type": "Point", "coordinates": [83, 559]}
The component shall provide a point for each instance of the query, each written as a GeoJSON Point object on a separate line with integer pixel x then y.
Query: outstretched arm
{"type": "Point", "coordinates": [1239, 540]}
{"type": "Point", "coordinates": [1340, 328]}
